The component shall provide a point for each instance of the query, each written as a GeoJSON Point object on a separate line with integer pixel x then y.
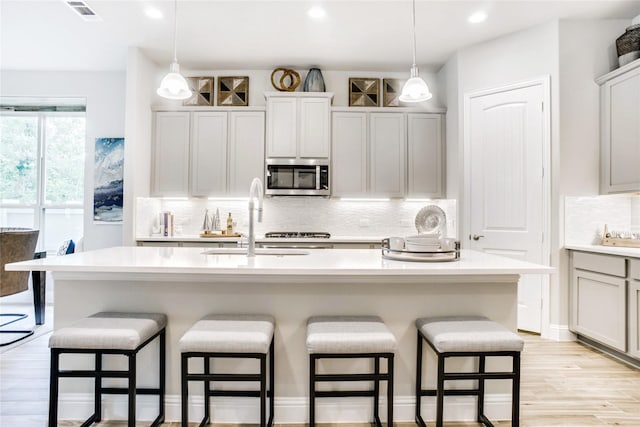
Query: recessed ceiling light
{"type": "Point", "coordinates": [316, 12]}
{"type": "Point", "coordinates": [477, 17]}
{"type": "Point", "coordinates": [154, 13]}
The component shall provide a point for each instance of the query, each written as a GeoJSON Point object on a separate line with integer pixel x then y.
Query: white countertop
{"type": "Point", "coordinates": [609, 250]}
{"type": "Point", "coordinates": [261, 239]}
{"type": "Point", "coordinates": [322, 262]}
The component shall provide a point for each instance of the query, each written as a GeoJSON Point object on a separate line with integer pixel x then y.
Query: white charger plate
{"type": "Point", "coordinates": [431, 219]}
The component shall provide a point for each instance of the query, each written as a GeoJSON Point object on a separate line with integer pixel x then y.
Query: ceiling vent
{"type": "Point", "coordinates": [83, 9]}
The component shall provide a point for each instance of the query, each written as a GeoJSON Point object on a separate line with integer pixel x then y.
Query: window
{"type": "Point", "coordinates": [42, 174]}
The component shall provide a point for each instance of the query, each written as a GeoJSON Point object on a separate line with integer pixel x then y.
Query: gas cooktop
{"type": "Point", "coordinates": [297, 235]}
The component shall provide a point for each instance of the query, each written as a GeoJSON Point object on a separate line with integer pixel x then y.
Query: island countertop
{"type": "Point", "coordinates": [322, 262]}
{"type": "Point", "coordinates": [186, 284]}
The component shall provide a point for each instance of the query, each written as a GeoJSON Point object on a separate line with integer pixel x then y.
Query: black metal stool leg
{"type": "Point", "coordinates": [132, 390]}
{"type": "Point", "coordinates": [53, 388]}
{"type": "Point", "coordinates": [440, 392]}
{"type": "Point", "coordinates": [271, 382]}
{"type": "Point", "coordinates": [207, 388]}
{"type": "Point", "coordinates": [376, 390]}
{"type": "Point", "coordinates": [162, 375]}
{"type": "Point", "coordinates": [515, 398]}
{"type": "Point", "coordinates": [481, 370]}
{"type": "Point", "coordinates": [312, 390]}
{"type": "Point", "coordinates": [184, 385]}
{"type": "Point", "coordinates": [390, 391]}
{"type": "Point", "coordinates": [418, 417]}
{"type": "Point", "coordinates": [97, 388]}
{"type": "Point", "coordinates": [263, 391]}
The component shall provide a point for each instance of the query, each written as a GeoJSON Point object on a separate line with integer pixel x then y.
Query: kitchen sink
{"type": "Point", "coordinates": [259, 251]}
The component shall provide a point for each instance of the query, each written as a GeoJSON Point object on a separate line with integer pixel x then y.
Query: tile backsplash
{"type": "Point", "coordinates": [338, 217]}
{"type": "Point", "coordinates": [585, 217]}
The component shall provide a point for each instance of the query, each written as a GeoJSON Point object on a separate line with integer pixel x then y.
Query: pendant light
{"type": "Point", "coordinates": [415, 89]}
{"type": "Point", "coordinates": [173, 85]}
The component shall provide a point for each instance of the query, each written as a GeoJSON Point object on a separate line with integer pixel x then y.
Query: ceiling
{"type": "Point", "coordinates": [243, 34]}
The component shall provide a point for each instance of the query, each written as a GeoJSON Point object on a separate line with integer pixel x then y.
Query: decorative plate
{"type": "Point", "coordinates": [431, 219]}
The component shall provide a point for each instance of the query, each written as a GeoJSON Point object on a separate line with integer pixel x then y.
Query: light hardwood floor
{"type": "Point", "coordinates": [563, 384]}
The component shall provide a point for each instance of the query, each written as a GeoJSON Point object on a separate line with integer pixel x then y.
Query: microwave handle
{"type": "Point", "coordinates": [317, 177]}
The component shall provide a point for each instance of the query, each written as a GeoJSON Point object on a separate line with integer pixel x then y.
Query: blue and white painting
{"type": "Point", "coordinates": [108, 180]}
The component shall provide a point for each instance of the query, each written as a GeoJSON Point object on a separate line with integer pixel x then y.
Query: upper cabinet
{"type": "Point", "coordinates": [387, 154]}
{"type": "Point", "coordinates": [207, 153]}
{"type": "Point", "coordinates": [620, 129]}
{"type": "Point", "coordinates": [298, 125]}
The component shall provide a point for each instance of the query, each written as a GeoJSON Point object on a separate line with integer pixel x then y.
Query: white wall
{"type": "Point", "coordinates": [140, 90]}
{"type": "Point", "coordinates": [573, 53]}
{"type": "Point", "coordinates": [104, 92]}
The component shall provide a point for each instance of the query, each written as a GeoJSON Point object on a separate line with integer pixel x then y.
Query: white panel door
{"type": "Point", "coordinates": [171, 154]}
{"type": "Point", "coordinates": [349, 160]}
{"type": "Point", "coordinates": [282, 127]}
{"type": "Point", "coordinates": [425, 155]}
{"type": "Point", "coordinates": [314, 127]}
{"type": "Point", "coordinates": [506, 185]}
{"type": "Point", "coordinates": [246, 150]}
{"type": "Point", "coordinates": [387, 154]}
{"type": "Point", "coordinates": [208, 154]}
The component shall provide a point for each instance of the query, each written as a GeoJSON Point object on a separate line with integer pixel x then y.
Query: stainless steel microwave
{"type": "Point", "coordinates": [295, 177]}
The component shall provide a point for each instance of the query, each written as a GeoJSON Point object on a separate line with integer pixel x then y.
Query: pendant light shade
{"type": "Point", "coordinates": [415, 89]}
{"type": "Point", "coordinates": [173, 85]}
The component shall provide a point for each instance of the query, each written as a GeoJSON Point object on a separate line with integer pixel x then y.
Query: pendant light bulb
{"type": "Point", "coordinates": [173, 85]}
{"type": "Point", "coordinates": [415, 89]}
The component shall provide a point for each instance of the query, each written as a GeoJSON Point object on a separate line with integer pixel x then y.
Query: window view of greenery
{"type": "Point", "coordinates": [42, 174]}
{"type": "Point", "coordinates": [18, 160]}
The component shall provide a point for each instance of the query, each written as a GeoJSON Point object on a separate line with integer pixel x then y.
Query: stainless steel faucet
{"type": "Point", "coordinates": [255, 190]}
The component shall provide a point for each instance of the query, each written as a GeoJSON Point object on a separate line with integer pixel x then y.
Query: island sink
{"type": "Point", "coordinates": [258, 251]}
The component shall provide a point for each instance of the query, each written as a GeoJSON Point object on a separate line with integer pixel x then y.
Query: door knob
{"type": "Point", "coordinates": [476, 236]}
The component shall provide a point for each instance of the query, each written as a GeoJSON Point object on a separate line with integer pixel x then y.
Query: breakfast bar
{"type": "Point", "coordinates": [189, 283]}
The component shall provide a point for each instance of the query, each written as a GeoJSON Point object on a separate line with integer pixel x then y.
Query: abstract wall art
{"type": "Point", "coordinates": [364, 92]}
{"type": "Point", "coordinates": [202, 88]}
{"type": "Point", "coordinates": [233, 91]}
{"type": "Point", "coordinates": [108, 179]}
{"type": "Point", "coordinates": [391, 90]}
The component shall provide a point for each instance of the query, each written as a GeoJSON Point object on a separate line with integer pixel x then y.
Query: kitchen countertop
{"type": "Point", "coordinates": [325, 263]}
{"type": "Point", "coordinates": [261, 239]}
{"type": "Point", "coordinates": [609, 250]}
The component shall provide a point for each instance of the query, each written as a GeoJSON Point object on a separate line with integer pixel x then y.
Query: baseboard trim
{"type": "Point", "coordinates": [560, 333]}
{"type": "Point", "coordinates": [288, 410]}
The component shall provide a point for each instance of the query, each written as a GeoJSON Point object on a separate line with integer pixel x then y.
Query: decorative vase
{"type": "Point", "coordinates": [314, 81]}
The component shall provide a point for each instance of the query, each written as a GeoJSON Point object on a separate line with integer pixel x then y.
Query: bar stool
{"type": "Point", "coordinates": [347, 337]}
{"type": "Point", "coordinates": [229, 336]}
{"type": "Point", "coordinates": [467, 336]}
{"type": "Point", "coordinates": [114, 333]}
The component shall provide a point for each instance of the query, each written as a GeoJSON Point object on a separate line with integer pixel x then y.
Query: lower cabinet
{"type": "Point", "coordinates": [634, 310]}
{"type": "Point", "coordinates": [604, 300]}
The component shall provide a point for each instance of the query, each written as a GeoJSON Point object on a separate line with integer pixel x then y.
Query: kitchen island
{"type": "Point", "coordinates": [186, 284]}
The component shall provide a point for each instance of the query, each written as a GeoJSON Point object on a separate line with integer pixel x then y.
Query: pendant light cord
{"type": "Point", "coordinates": [175, 32]}
{"type": "Point", "coordinates": [414, 32]}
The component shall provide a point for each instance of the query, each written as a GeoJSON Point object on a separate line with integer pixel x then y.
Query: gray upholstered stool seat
{"type": "Point", "coordinates": [241, 336]}
{"type": "Point", "coordinates": [348, 337]}
{"type": "Point", "coordinates": [349, 334]}
{"type": "Point", "coordinates": [467, 336]}
{"type": "Point", "coordinates": [109, 333]}
{"type": "Point", "coordinates": [468, 333]}
{"type": "Point", "coordinates": [236, 333]}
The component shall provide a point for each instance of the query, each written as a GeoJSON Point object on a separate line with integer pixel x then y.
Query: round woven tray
{"type": "Point", "coordinates": [629, 41]}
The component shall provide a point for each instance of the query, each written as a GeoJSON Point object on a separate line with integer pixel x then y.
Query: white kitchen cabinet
{"type": "Point", "coordinates": [349, 154]}
{"type": "Point", "coordinates": [170, 168]}
{"type": "Point", "coordinates": [298, 125]}
{"type": "Point", "coordinates": [245, 151]}
{"type": "Point", "coordinates": [370, 157]}
{"type": "Point", "coordinates": [598, 308]}
{"type": "Point", "coordinates": [218, 154]}
{"type": "Point", "coordinates": [634, 309]}
{"type": "Point", "coordinates": [208, 153]}
{"type": "Point", "coordinates": [425, 156]}
{"type": "Point", "coordinates": [386, 154]}
{"type": "Point", "coordinates": [620, 130]}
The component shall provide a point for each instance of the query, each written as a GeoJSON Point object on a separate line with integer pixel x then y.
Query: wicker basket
{"type": "Point", "coordinates": [628, 45]}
